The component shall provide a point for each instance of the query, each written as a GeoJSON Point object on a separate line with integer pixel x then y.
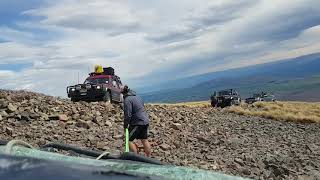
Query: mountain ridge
{"type": "Point", "coordinates": [268, 76]}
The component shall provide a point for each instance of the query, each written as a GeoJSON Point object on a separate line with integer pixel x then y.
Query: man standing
{"type": "Point", "coordinates": [136, 119]}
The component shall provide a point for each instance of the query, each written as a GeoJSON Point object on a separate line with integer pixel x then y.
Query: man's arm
{"type": "Point", "coordinates": [127, 113]}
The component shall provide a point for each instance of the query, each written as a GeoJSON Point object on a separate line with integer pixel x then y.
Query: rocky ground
{"type": "Point", "coordinates": [189, 136]}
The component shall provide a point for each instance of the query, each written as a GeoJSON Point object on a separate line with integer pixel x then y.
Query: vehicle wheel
{"type": "Point", "coordinates": [74, 99]}
{"type": "Point", "coordinates": [213, 104]}
{"type": "Point", "coordinates": [107, 97]}
{"type": "Point", "coordinates": [226, 103]}
{"type": "Point", "coordinates": [234, 103]}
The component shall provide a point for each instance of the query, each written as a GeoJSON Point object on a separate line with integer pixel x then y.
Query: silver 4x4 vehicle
{"type": "Point", "coordinates": [225, 98]}
{"type": "Point", "coordinates": [263, 96]}
{"type": "Point", "coordinates": [98, 87]}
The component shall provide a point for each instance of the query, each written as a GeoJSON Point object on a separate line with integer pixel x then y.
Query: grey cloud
{"type": "Point", "coordinates": [173, 48]}
{"type": "Point", "coordinates": [281, 25]}
{"type": "Point", "coordinates": [91, 23]}
{"type": "Point", "coordinates": [223, 13]}
{"type": "Point", "coordinates": [112, 17]}
{"type": "Point", "coordinates": [199, 64]}
{"type": "Point", "coordinates": [173, 36]}
{"type": "Point", "coordinates": [196, 24]}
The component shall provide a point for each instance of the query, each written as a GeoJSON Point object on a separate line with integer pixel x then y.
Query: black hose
{"type": "Point", "coordinates": [136, 157]}
{"type": "Point", "coordinates": [126, 156]}
{"type": "Point", "coordinates": [78, 150]}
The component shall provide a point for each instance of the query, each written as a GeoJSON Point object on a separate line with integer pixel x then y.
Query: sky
{"type": "Point", "coordinates": [45, 45]}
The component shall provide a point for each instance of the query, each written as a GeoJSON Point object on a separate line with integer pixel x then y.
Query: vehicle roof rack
{"type": "Point", "coordinates": [106, 71]}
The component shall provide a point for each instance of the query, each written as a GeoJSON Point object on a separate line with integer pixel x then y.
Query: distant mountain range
{"type": "Point", "coordinates": [291, 79]}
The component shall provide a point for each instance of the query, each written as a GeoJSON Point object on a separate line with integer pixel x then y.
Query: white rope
{"type": "Point", "coordinates": [12, 143]}
{"type": "Point", "coordinates": [103, 154]}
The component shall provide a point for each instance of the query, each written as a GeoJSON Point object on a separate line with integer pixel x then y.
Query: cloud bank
{"type": "Point", "coordinates": [148, 41]}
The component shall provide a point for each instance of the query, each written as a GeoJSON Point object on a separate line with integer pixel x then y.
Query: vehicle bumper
{"type": "Point", "coordinates": [87, 95]}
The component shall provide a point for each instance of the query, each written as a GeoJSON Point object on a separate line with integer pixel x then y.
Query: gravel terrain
{"type": "Point", "coordinates": [200, 137]}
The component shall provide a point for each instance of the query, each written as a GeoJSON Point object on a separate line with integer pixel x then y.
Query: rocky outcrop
{"type": "Point", "coordinates": [188, 136]}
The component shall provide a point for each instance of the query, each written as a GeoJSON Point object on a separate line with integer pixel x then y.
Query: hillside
{"type": "Point", "coordinates": [192, 134]}
{"type": "Point", "coordinates": [293, 79]}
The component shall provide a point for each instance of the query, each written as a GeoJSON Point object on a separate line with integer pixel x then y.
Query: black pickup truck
{"type": "Point", "coordinates": [225, 98]}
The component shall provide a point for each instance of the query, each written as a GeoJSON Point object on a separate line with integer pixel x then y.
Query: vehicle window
{"type": "Point", "coordinates": [102, 81]}
{"type": "Point", "coordinates": [97, 81]}
{"type": "Point", "coordinates": [90, 81]}
{"type": "Point", "coordinates": [221, 93]}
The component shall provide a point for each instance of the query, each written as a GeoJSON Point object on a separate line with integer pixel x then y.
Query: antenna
{"type": "Point", "coordinates": [78, 77]}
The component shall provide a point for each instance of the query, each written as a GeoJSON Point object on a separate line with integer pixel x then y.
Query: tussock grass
{"type": "Point", "coordinates": [288, 111]}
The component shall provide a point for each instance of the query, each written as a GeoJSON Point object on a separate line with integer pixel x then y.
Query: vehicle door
{"type": "Point", "coordinates": [120, 85]}
{"type": "Point", "coordinates": [115, 91]}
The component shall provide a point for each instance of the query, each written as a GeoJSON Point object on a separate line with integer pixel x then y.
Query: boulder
{"type": "Point", "coordinates": [119, 136]}
{"type": "Point", "coordinates": [176, 126]}
{"type": "Point", "coordinates": [3, 113]}
{"type": "Point", "coordinates": [97, 119]}
{"type": "Point", "coordinates": [44, 117]}
{"type": "Point", "coordinates": [3, 103]}
{"type": "Point", "coordinates": [83, 124]}
{"type": "Point", "coordinates": [9, 131]}
{"type": "Point", "coordinates": [165, 146]}
{"type": "Point", "coordinates": [63, 117]}
{"type": "Point", "coordinates": [11, 108]}
{"type": "Point", "coordinates": [108, 123]}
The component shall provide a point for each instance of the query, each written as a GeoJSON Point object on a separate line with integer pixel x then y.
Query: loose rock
{"type": "Point", "coordinates": [63, 117]}
{"type": "Point", "coordinates": [200, 137]}
{"type": "Point", "coordinates": [3, 103]}
{"type": "Point", "coordinates": [11, 108]}
{"type": "Point", "coordinates": [164, 147]}
{"type": "Point", "coordinates": [9, 131]}
{"type": "Point", "coordinates": [176, 126]}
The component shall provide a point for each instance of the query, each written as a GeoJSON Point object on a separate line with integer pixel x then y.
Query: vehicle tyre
{"type": "Point", "coordinates": [214, 103]}
{"type": "Point", "coordinates": [74, 99]}
{"type": "Point", "coordinates": [107, 97]}
{"type": "Point", "coordinates": [220, 105]}
{"type": "Point", "coordinates": [235, 102]}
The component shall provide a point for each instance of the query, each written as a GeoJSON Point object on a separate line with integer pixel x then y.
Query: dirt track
{"type": "Point", "coordinates": [189, 136]}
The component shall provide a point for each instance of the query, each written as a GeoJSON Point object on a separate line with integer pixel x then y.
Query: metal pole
{"type": "Point", "coordinates": [127, 140]}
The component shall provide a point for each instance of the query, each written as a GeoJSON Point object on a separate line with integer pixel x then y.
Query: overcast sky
{"type": "Point", "coordinates": [44, 44]}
